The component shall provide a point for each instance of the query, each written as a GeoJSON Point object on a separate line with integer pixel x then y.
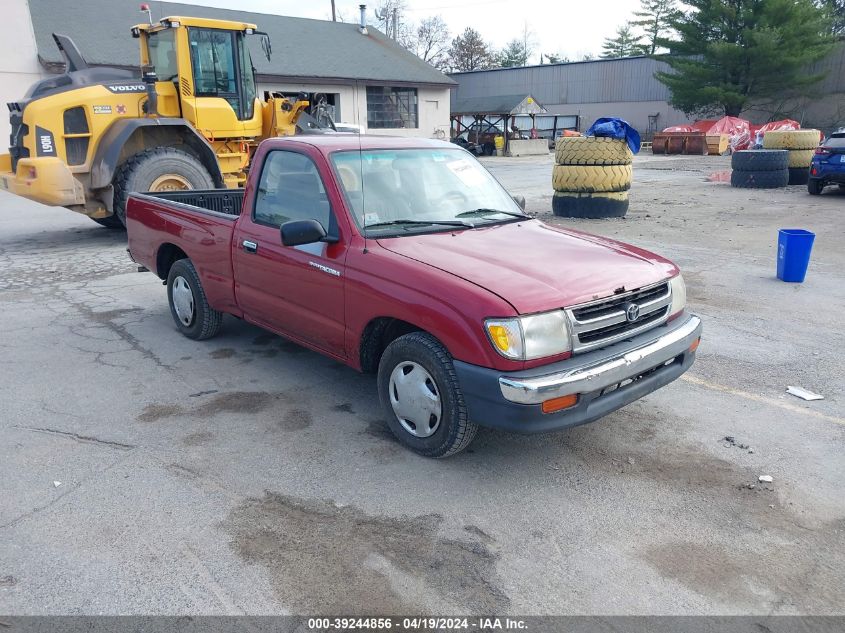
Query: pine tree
{"type": "Point", "coordinates": [625, 44]}
{"type": "Point", "coordinates": [733, 54]}
{"type": "Point", "coordinates": [655, 18]}
{"type": "Point", "coordinates": [469, 51]}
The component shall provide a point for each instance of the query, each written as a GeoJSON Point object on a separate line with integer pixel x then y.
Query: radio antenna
{"type": "Point", "coordinates": [363, 195]}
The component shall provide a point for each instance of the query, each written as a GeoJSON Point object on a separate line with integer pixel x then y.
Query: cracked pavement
{"type": "Point", "coordinates": [144, 473]}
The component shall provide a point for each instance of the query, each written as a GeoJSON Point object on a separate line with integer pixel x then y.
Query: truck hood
{"type": "Point", "coordinates": [536, 267]}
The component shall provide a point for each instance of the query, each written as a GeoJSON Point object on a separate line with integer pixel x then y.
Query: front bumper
{"type": "Point", "coordinates": [605, 380]}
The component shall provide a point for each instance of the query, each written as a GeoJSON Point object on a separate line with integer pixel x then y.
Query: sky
{"type": "Point", "coordinates": [571, 28]}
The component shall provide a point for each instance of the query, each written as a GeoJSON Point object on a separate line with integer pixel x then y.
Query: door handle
{"type": "Point", "coordinates": [250, 247]}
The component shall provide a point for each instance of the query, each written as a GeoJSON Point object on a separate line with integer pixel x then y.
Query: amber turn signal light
{"type": "Point", "coordinates": [695, 345]}
{"type": "Point", "coordinates": [558, 404]}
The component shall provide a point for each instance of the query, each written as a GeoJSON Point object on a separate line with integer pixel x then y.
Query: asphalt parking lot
{"type": "Point", "coordinates": [142, 472]}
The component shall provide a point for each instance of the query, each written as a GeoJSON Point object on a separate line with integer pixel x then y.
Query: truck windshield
{"type": "Point", "coordinates": [402, 191]}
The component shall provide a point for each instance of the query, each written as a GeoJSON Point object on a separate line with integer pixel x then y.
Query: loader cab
{"type": "Point", "coordinates": [205, 74]}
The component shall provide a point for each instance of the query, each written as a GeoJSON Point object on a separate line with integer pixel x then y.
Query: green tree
{"type": "Point", "coordinates": [513, 54]}
{"type": "Point", "coordinates": [554, 58]}
{"type": "Point", "coordinates": [735, 53]}
{"type": "Point", "coordinates": [469, 51]}
{"type": "Point", "coordinates": [655, 18]}
{"type": "Point", "coordinates": [835, 14]}
{"type": "Point", "coordinates": [624, 44]}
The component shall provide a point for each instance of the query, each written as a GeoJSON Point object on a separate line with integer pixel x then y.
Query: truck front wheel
{"type": "Point", "coordinates": [191, 312]}
{"type": "Point", "coordinates": [421, 397]}
{"type": "Point", "coordinates": [158, 169]}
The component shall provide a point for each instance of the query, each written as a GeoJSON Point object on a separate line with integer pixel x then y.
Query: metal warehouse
{"type": "Point", "coordinates": [627, 88]}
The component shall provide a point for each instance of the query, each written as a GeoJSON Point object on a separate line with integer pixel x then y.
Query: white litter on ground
{"type": "Point", "coordinates": [766, 479]}
{"type": "Point", "coordinates": [804, 394]}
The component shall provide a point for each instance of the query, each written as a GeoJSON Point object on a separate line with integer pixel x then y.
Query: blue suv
{"type": "Point", "coordinates": [828, 164]}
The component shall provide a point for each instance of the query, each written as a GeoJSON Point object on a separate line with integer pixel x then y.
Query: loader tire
{"type": "Point", "coordinates": [760, 160]}
{"type": "Point", "coordinates": [592, 150]}
{"type": "Point", "coordinates": [799, 175]}
{"type": "Point", "coordinates": [590, 205]}
{"type": "Point", "coordinates": [791, 139]}
{"type": "Point", "coordinates": [591, 178]}
{"type": "Point", "coordinates": [158, 169]}
{"type": "Point", "coordinates": [801, 158]}
{"type": "Point", "coordinates": [760, 179]}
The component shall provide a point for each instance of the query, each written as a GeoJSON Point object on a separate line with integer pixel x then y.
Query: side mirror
{"type": "Point", "coordinates": [297, 232]}
{"type": "Point", "coordinates": [520, 200]}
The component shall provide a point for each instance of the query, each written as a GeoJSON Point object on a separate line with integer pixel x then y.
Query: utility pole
{"type": "Point", "coordinates": [395, 23]}
{"type": "Point", "coordinates": [334, 13]}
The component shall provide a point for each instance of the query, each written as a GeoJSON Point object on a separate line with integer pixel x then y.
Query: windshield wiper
{"type": "Point", "coordinates": [406, 222]}
{"type": "Point", "coordinates": [487, 211]}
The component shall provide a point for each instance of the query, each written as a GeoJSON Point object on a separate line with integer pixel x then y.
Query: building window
{"type": "Point", "coordinates": [391, 107]}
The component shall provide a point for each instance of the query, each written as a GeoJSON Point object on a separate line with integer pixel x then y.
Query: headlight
{"type": "Point", "coordinates": [679, 295]}
{"type": "Point", "coordinates": [530, 337]}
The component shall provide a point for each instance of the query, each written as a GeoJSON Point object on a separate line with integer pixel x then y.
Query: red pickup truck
{"type": "Point", "coordinates": [406, 258]}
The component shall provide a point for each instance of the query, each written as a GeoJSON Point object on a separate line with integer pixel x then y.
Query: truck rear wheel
{"type": "Point", "coordinates": [193, 316]}
{"type": "Point", "coordinates": [158, 169]}
{"type": "Point", "coordinates": [421, 397]}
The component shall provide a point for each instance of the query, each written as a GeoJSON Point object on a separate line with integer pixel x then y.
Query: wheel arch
{"type": "Point", "coordinates": [127, 137]}
{"type": "Point", "coordinates": [377, 335]}
{"type": "Point", "coordinates": [167, 255]}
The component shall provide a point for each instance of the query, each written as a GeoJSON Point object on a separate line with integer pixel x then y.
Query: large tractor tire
{"type": "Point", "coordinates": [801, 158]}
{"type": "Point", "coordinates": [591, 178]}
{"type": "Point", "coordinates": [791, 139]}
{"type": "Point", "coordinates": [590, 205]}
{"type": "Point", "coordinates": [592, 150]}
{"type": "Point", "coordinates": [158, 169]}
{"type": "Point", "coordinates": [760, 179]}
{"type": "Point", "coordinates": [760, 160]}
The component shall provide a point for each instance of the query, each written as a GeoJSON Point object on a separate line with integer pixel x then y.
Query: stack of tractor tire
{"type": "Point", "coordinates": [801, 145]}
{"type": "Point", "coordinates": [760, 168]}
{"type": "Point", "coordinates": [591, 177]}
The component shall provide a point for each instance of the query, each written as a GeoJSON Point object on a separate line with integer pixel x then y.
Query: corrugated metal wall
{"type": "Point", "coordinates": [624, 87]}
{"type": "Point", "coordinates": [588, 82]}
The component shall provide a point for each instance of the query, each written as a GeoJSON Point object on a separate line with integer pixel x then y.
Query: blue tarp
{"type": "Point", "coordinates": [616, 128]}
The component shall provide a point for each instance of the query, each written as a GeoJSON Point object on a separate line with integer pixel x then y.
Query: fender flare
{"type": "Point", "coordinates": [109, 149]}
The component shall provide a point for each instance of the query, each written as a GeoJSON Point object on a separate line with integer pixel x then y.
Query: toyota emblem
{"type": "Point", "coordinates": [632, 312]}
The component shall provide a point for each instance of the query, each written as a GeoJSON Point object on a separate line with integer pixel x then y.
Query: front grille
{"type": "Point", "coordinates": [606, 321]}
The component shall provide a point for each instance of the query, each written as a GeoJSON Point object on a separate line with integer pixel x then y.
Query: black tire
{"type": "Point", "coordinates": [204, 321]}
{"type": "Point", "coordinates": [760, 179]}
{"type": "Point", "coordinates": [760, 160]}
{"type": "Point", "coordinates": [799, 175]}
{"type": "Point", "coordinates": [815, 186]}
{"type": "Point", "coordinates": [590, 205]}
{"type": "Point", "coordinates": [140, 171]}
{"type": "Point", "coordinates": [489, 149]}
{"type": "Point", "coordinates": [453, 432]}
{"type": "Point", "coordinates": [111, 222]}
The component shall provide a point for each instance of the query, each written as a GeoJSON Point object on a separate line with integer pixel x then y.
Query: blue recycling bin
{"type": "Point", "coordinates": [794, 246]}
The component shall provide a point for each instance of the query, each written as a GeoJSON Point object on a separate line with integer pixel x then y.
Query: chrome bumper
{"type": "Point", "coordinates": [605, 373]}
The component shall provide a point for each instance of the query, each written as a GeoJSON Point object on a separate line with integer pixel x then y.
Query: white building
{"type": "Point", "coordinates": [369, 79]}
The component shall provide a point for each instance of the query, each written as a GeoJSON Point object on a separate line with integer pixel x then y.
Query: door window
{"type": "Point", "coordinates": [290, 188]}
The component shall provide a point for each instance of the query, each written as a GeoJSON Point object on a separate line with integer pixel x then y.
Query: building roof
{"type": "Point", "coordinates": [302, 48]}
{"type": "Point", "coordinates": [497, 104]}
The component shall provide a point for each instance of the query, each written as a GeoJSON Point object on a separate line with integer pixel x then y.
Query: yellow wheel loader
{"type": "Point", "coordinates": [85, 139]}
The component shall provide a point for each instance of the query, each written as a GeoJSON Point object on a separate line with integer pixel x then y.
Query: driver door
{"type": "Point", "coordinates": [297, 291]}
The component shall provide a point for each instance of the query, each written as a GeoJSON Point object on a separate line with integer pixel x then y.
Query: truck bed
{"type": "Point", "coordinates": [228, 201]}
{"type": "Point", "coordinates": [197, 223]}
